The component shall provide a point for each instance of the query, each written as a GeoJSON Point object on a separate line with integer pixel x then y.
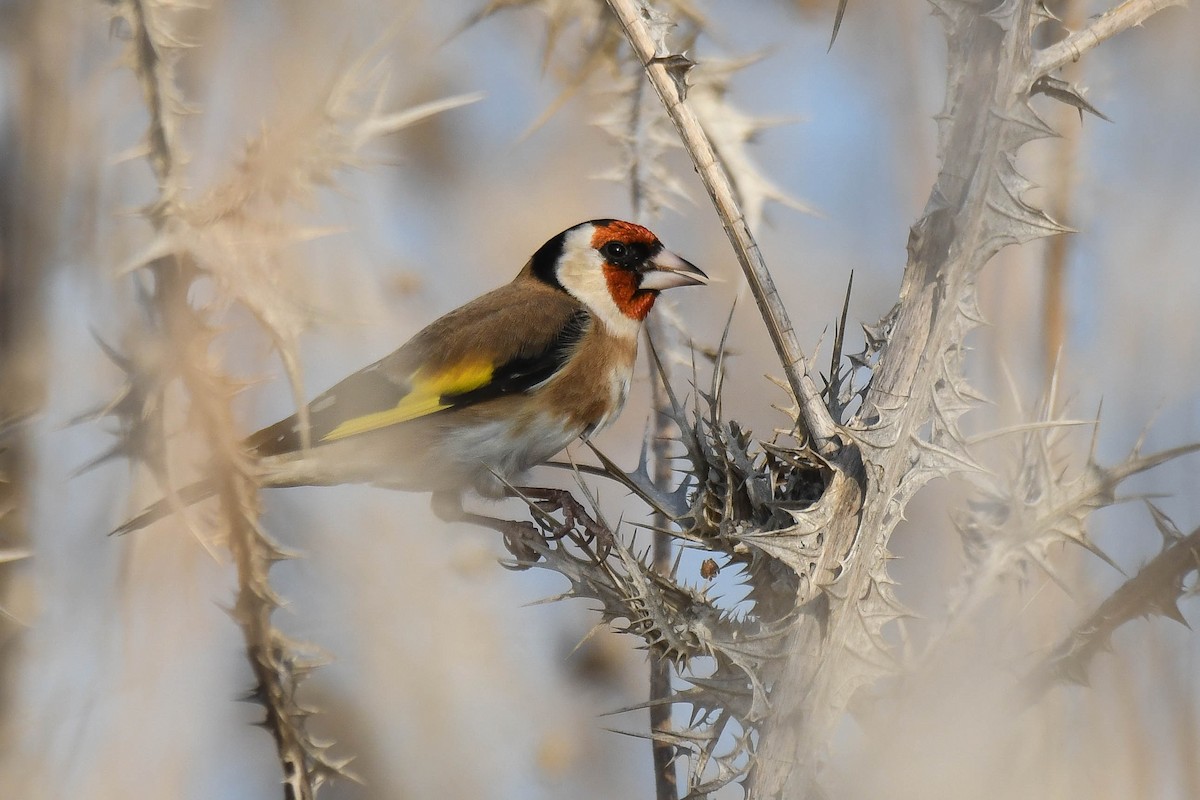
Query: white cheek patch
{"type": "Point", "coordinates": [581, 272]}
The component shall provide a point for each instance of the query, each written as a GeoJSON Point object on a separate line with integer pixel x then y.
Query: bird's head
{"type": "Point", "coordinates": [614, 268]}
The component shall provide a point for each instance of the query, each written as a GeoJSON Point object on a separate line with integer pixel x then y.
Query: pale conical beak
{"type": "Point", "coordinates": [668, 270]}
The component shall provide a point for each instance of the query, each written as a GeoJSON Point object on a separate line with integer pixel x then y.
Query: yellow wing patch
{"type": "Point", "coordinates": [424, 398]}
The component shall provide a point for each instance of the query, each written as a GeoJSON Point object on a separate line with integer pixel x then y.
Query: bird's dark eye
{"type": "Point", "coordinates": [615, 251]}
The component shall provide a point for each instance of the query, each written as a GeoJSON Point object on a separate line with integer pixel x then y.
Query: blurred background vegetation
{"type": "Point", "coordinates": [122, 670]}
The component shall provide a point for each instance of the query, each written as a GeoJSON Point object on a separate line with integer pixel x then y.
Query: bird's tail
{"type": "Point", "coordinates": [177, 501]}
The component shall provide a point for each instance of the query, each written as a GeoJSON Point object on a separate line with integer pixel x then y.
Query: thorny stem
{"type": "Point", "coordinates": [161, 146]}
{"type": "Point", "coordinates": [662, 559]}
{"type": "Point", "coordinates": [663, 551]}
{"type": "Point", "coordinates": [1154, 590]}
{"type": "Point", "coordinates": [819, 425]}
{"type": "Point", "coordinates": [1118, 18]}
{"type": "Point", "coordinates": [918, 379]}
{"type": "Point", "coordinates": [252, 554]}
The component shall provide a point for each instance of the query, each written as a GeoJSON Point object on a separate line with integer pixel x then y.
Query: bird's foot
{"type": "Point", "coordinates": [518, 537]}
{"type": "Point", "coordinates": [577, 523]}
{"type": "Point", "coordinates": [527, 541]}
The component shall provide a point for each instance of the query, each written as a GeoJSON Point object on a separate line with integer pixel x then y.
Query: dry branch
{"type": "Point", "coordinates": [907, 431]}
{"type": "Point", "coordinates": [1119, 18]}
{"type": "Point", "coordinates": [667, 72]}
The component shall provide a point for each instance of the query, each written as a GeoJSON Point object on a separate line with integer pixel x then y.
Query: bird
{"type": "Point", "coordinates": [487, 391]}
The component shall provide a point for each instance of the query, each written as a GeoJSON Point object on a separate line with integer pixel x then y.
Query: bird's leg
{"type": "Point", "coordinates": [548, 501]}
{"type": "Point", "coordinates": [447, 506]}
{"type": "Point", "coordinates": [577, 523]}
{"type": "Point", "coordinates": [551, 500]}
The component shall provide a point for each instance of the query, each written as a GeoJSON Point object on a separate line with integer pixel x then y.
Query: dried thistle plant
{"type": "Point", "coordinates": [801, 519]}
{"type": "Point", "coordinates": [234, 234]}
{"type": "Point", "coordinates": [808, 522]}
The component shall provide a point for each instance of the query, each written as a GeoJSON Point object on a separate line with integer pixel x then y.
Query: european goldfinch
{"type": "Point", "coordinates": [491, 389]}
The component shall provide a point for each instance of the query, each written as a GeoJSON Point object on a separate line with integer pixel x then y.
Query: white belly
{"type": "Point", "coordinates": [491, 454]}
